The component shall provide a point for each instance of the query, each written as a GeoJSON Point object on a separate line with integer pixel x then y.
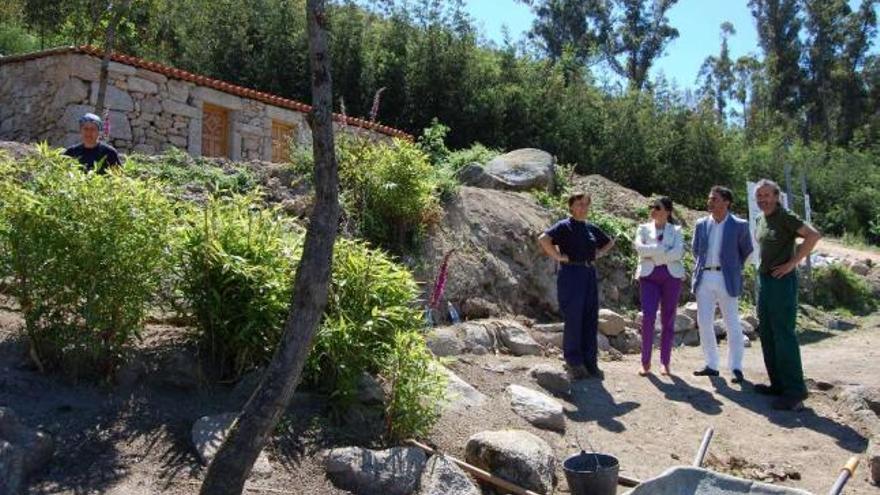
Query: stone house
{"type": "Point", "coordinates": [153, 107]}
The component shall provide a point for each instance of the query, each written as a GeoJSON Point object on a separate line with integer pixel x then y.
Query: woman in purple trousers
{"type": "Point", "coordinates": [660, 246]}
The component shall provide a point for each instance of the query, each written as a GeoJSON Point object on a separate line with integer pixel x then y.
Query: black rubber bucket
{"type": "Point", "coordinates": [591, 474]}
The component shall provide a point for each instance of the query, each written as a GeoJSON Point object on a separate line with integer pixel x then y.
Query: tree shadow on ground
{"type": "Point", "coordinates": [681, 391]}
{"type": "Point", "coordinates": [595, 403]}
{"type": "Point", "coordinates": [846, 437]}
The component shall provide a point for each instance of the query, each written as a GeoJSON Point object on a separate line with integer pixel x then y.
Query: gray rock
{"type": "Point", "coordinates": [873, 456]}
{"type": "Point", "coordinates": [536, 408]}
{"type": "Point", "coordinates": [443, 477]}
{"type": "Point", "coordinates": [602, 343]}
{"type": "Point", "coordinates": [681, 480]}
{"type": "Point", "coordinates": [142, 85]}
{"type": "Point", "coordinates": [683, 323]}
{"type": "Point", "coordinates": [752, 320]}
{"type": "Point", "coordinates": [120, 127]}
{"type": "Point", "coordinates": [115, 99]}
{"type": "Point", "coordinates": [473, 174]}
{"type": "Point", "coordinates": [516, 456]}
{"type": "Point", "coordinates": [11, 468]}
{"type": "Point", "coordinates": [177, 108]}
{"type": "Point", "coordinates": [208, 434]}
{"type": "Point", "coordinates": [525, 169]}
{"type": "Point", "coordinates": [548, 334]}
{"type": "Point", "coordinates": [35, 447]}
{"type": "Point", "coordinates": [860, 268]}
{"type": "Point", "coordinates": [444, 341]}
{"type": "Point", "coordinates": [720, 329]}
{"type": "Point", "coordinates": [394, 471]}
{"type": "Point", "coordinates": [517, 339]}
{"type": "Point", "coordinates": [611, 323]}
{"type": "Point", "coordinates": [477, 339]}
{"type": "Point", "coordinates": [691, 338]}
{"type": "Point", "coordinates": [748, 329]}
{"type": "Point", "coordinates": [747, 342]}
{"type": "Point", "coordinates": [689, 310]}
{"type": "Point", "coordinates": [552, 378]}
{"type": "Point", "coordinates": [840, 324]}
{"type": "Point", "coordinates": [628, 342]}
{"type": "Point", "coordinates": [72, 91]}
{"type": "Point", "coordinates": [460, 394]}
{"type": "Point", "coordinates": [369, 390]}
{"type": "Point", "coordinates": [862, 404]}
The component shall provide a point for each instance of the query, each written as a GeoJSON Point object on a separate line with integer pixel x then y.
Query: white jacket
{"type": "Point", "coordinates": [667, 252]}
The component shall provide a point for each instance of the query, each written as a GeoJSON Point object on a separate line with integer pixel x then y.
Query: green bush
{"type": "Point", "coordinates": [475, 153]}
{"type": "Point", "coordinates": [236, 275]}
{"type": "Point", "coordinates": [181, 173]}
{"type": "Point", "coordinates": [417, 391]}
{"type": "Point", "coordinates": [836, 286]}
{"type": "Point", "coordinates": [87, 253]}
{"type": "Point", "coordinates": [389, 191]}
{"type": "Point", "coordinates": [238, 268]}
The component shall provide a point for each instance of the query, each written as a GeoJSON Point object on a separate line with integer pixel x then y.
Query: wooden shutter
{"type": "Point", "coordinates": [215, 131]}
{"type": "Point", "coordinates": [281, 134]}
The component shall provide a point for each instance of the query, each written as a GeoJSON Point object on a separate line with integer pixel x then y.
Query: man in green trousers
{"type": "Point", "coordinates": [776, 232]}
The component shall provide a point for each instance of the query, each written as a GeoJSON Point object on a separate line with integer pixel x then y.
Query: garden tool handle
{"type": "Point", "coordinates": [845, 474]}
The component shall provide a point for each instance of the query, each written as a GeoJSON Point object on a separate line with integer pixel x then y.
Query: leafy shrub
{"type": "Point", "coordinates": [388, 190]}
{"type": "Point", "coordinates": [476, 153]}
{"type": "Point", "coordinates": [236, 277]}
{"type": "Point", "coordinates": [181, 173]}
{"type": "Point", "coordinates": [238, 266]}
{"type": "Point", "coordinates": [87, 253]}
{"type": "Point", "coordinates": [416, 390]}
{"type": "Point", "coordinates": [836, 286]}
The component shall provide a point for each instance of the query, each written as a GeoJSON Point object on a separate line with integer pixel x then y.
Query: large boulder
{"type": "Point", "coordinates": [395, 471]}
{"type": "Point", "coordinates": [683, 323]}
{"type": "Point", "coordinates": [611, 323]}
{"type": "Point", "coordinates": [497, 258]}
{"type": "Point", "coordinates": [444, 341]}
{"type": "Point", "coordinates": [443, 477]}
{"type": "Point", "coordinates": [474, 174]}
{"type": "Point", "coordinates": [516, 456]}
{"type": "Point", "coordinates": [536, 408]}
{"type": "Point", "coordinates": [524, 169]}
{"type": "Point", "coordinates": [208, 434]}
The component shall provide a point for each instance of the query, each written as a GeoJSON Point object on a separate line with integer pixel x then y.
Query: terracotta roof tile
{"type": "Point", "coordinates": [201, 80]}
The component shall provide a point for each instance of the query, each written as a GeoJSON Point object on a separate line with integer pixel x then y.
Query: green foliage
{"type": "Point", "coordinates": [417, 390]}
{"type": "Point", "coordinates": [433, 142]}
{"type": "Point", "coordinates": [15, 39]}
{"type": "Point", "coordinates": [836, 286]}
{"type": "Point", "coordinates": [87, 253]}
{"type": "Point", "coordinates": [389, 191]}
{"type": "Point", "coordinates": [371, 300]}
{"type": "Point", "coordinates": [181, 173]}
{"type": "Point", "coordinates": [237, 264]}
{"type": "Point", "coordinates": [476, 153]}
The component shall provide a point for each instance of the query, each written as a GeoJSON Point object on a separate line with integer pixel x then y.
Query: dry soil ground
{"type": "Point", "coordinates": [136, 441]}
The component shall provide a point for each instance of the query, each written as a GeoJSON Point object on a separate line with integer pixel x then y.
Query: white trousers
{"type": "Point", "coordinates": [711, 292]}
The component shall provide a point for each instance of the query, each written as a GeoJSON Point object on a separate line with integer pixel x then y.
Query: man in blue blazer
{"type": "Point", "coordinates": [721, 245]}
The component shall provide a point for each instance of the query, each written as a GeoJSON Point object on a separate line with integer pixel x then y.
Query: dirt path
{"type": "Point", "coordinates": [137, 441]}
{"type": "Point", "coordinates": [839, 250]}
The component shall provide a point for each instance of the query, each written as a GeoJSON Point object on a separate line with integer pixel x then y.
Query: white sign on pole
{"type": "Point", "coordinates": [754, 212]}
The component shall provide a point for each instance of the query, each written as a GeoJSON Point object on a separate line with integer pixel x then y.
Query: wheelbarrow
{"type": "Point", "coordinates": [695, 480]}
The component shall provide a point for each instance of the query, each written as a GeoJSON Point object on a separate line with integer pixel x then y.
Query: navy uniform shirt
{"type": "Point", "coordinates": [102, 155]}
{"type": "Point", "coordinates": [577, 240]}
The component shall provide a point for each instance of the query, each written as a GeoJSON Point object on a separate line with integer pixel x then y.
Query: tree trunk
{"type": "Point", "coordinates": [227, 473]}
{"type": "Point", "coordinates": [109, 43]}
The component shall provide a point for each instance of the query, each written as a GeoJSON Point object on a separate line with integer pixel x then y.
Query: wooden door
{"type": "Point", "coordinates": [281, 134]}
{"type": "Point", "coordinates": [215, 131]}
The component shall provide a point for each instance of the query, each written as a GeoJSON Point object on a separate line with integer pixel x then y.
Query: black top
{"type": "Point", "coordinates": [577, 240]}
{"type": "Point", "coordinates": [103, 155]}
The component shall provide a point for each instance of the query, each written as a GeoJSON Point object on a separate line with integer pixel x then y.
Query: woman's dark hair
{"type": "Point", "coordinates": [666, 203]}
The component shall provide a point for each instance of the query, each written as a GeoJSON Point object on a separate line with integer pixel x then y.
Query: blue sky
{"type": "Point", "coordinates": [698, 23]}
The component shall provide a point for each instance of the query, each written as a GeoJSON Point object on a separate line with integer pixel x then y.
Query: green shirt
{"type": "Point", "coordinates": [776, 235]}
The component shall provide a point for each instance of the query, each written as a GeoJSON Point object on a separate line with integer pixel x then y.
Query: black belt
{"type": "Point", "coordinates": [711, 268]}
{"type": "Point", "coordinates": [579, 263]}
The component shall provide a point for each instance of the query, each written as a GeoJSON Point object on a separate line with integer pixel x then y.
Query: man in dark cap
{"type": "Point", "coordinates": [91, 153]}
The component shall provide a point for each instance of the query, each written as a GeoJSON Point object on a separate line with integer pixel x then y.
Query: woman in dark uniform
{"type": "Point", "coordinates": [576, 244]}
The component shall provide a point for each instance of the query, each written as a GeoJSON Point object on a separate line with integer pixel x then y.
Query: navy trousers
{"type": "Point", "coordinates": [579, 304]}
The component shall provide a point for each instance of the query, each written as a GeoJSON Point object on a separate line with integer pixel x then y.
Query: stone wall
{"type": "Point", "coordinates": [41, 99]}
